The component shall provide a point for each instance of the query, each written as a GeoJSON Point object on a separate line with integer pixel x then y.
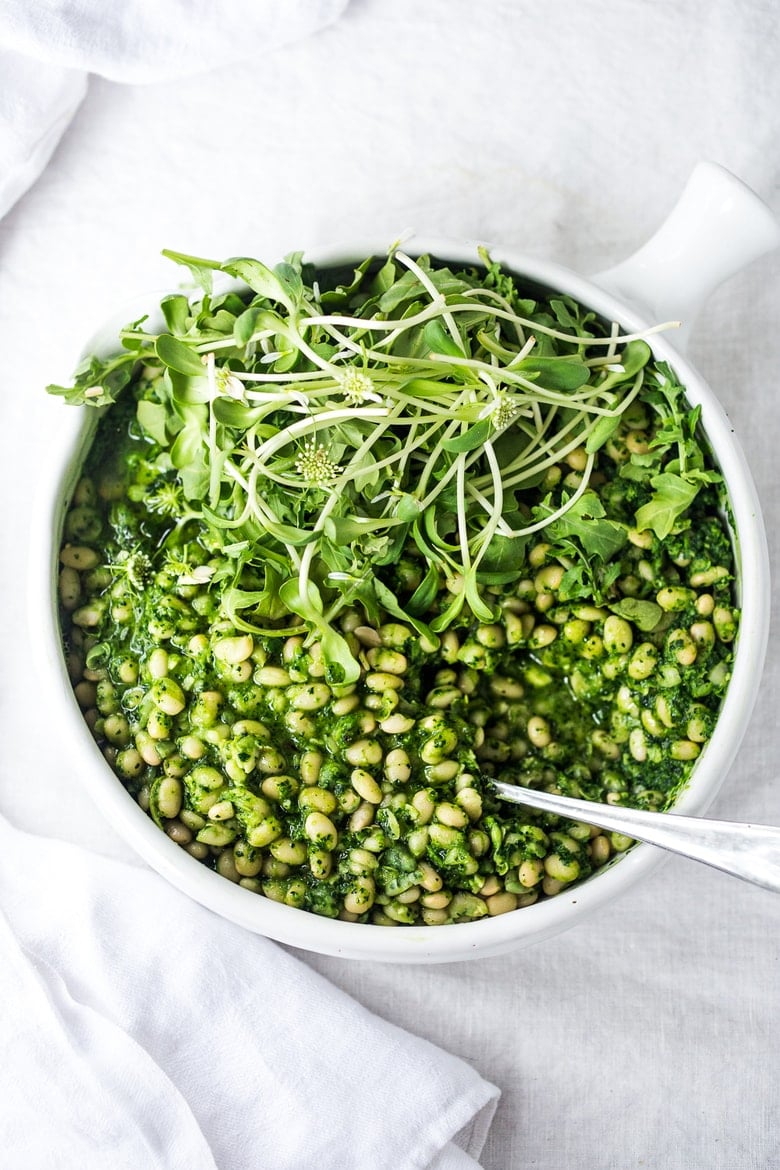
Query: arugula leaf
{"type": "Point", "coordinates": [599, 537]}
{"type": "Point", "coordinates": [576, 582]}
{"type": "Point", "coordinates": [670, 499]}
{"type": "Point", "coordinates": [588, 579]}
{"type": "Point", "coordinates": [570, 315]}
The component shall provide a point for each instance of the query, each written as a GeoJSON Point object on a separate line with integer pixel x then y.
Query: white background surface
{"type": "Point", "coordinates": [647, 1036]}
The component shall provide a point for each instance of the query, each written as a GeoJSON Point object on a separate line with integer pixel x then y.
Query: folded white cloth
{"type": "Point", "coordinates": [145, 41]}
{"type": "Point", "coordinates": [48, 48]}
{"type": "Point", "coordinates": [142, 1032]}
{"type": "Point", "coordinates": [37, 102]}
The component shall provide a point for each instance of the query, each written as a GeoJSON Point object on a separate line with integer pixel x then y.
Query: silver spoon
{"type": "Point", "coordinates": [750, 852]}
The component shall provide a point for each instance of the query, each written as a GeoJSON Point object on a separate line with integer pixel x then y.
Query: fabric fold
{"type": "Point", "coordinates": [48, 49]}
{"type": "Point", "coordinates": [142, 41]}
{"type": "Point", "coordinates": [37, 102]}
{"type": "Point", "coordinates": [199, 1039]}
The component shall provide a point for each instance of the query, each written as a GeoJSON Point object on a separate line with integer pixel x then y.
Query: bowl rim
{"type": "Point", "coordinates": [413, 944]}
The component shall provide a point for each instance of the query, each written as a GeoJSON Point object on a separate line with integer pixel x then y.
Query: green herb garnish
{"type": "Point", "coordinates": [324, 427]}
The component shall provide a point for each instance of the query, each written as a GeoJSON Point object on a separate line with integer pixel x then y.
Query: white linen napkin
{"type": "Point", "coordinates": [142, 1032]}
{"type": "Point", "coordinates": [48, 48]}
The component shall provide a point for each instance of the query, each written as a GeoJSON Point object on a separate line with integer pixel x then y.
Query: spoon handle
{"type": "Point", "coordinates": [750, 852]}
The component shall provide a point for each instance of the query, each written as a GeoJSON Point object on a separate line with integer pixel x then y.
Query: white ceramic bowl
{"type": "Point", "coordinates": [717, 226]}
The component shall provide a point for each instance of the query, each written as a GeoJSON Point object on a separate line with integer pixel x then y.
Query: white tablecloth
{"type": "Point", "coordinates": [647, 1036]}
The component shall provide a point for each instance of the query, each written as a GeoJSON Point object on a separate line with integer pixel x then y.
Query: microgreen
{"type": "Point", "coordinates": [327, 424]}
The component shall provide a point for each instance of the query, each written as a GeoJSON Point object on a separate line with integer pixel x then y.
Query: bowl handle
{"type": "Point", "coordinates": [718, 226]}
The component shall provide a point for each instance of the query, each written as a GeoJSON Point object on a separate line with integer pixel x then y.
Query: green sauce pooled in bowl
{"type": "Point", "coordinates": [347, 546]}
